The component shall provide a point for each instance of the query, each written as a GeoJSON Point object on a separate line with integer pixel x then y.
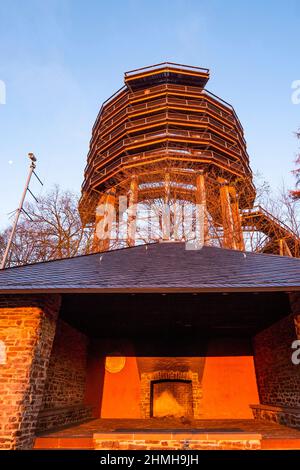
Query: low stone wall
{"type": "Point", "coordinates": [63, 416]}
{"type": "Point", "coordinates": [277, 414]}
{"type": "Point", "coordinates": [177, 441]}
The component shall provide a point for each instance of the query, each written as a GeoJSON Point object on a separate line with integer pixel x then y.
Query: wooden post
{"type": "Point", "coordinates": [227, 219]}
{"type": "Point", "coordinates": [166, 229]}
{"type": "Point", "coordinates": [284, 248]}
{"type": "Point", "coordinates": [177, 221]}
{"type": "Point", "coordinates": [237, 226]}
{"type": "Point", "coordinates": [132, 210]}
{"type": "Point", "coordinates": [99, 216]}
{"type": "Point", "coordinates": [201, 207]}
{"type": "Point", "coordinates": [167, 188]}
{"type": "Point", "coordinates": [281, 247]}
{"type": "Point", "coordinates": [104, 220]}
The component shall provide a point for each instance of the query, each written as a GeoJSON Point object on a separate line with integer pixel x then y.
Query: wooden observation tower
{"type": "Point", "coordinates": [164, 137]}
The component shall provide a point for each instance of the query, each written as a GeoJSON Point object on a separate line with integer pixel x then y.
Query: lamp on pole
{"type": "Point", "coordinates": [20, 208]}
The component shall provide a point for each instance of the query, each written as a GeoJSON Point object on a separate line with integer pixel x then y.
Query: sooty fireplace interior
{"type": "Point", "coordinates": [166, 393]}
{"type": "Point", "coordinates": [171, 398]}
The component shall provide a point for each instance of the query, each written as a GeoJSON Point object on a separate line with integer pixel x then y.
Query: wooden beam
{"type": "Point", "coordinates": [227, 219]}
{"type": "Point", "coordinates": [105, 214]}
{"type": "Point", "coordinates": [237, 225]}
{"type": "Point", "coordinates": [99, 216]}
{"type": "Point", "coordinates": [202, 206]}
{"type": "Point", "coordinates": [166, 220]}
{"type": "Point", "coordinates": [284, 248]}
{"type": "Point", "coordinates": [167, 187]}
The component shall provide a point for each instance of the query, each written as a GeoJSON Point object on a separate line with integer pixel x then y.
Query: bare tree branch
{"type": "Point", "coordinates": [54, 232]}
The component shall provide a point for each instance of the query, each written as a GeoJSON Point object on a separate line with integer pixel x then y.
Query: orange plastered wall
{"type": "Point", "coordinates": [121, 392]}
{"type": "Point", "coordinates": [229, 386]}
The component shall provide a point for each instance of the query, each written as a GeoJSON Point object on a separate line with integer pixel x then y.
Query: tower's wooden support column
{"type": "Point", "coordinates": [105, 214]}
{"type": "Point", "coordinates": [284, 248]}
{"type": "Point", "coordinates": [167, 188]}
{"type": "Point", "coordinates": [132, 211]}
{"type": "Point", "coordinates": [237, 225]}
{"type": "Point", "coordinates": [227, 219]}
{"type": "Point", "coordinates": [99, 216]}
{"type": "Point", "coordinates": [232, 227]}
{"type": "Point", "coordinates": [202, 207]}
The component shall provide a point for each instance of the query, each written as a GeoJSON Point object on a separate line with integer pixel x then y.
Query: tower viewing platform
{"type": "Point", "coordinates": [164, 137]}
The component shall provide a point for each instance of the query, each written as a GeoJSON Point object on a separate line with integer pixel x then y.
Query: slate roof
{"type": "Point", "coordinates": [159, 267]}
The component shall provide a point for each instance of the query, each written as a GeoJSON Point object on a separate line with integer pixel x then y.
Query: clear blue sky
{"type": "Point", "coordinates": [60, 59]}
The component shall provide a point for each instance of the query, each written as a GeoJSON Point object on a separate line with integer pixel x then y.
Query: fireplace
{"type": "Point", "coordinates": [171, 398]}
{"type": "Point", "coordinates": [166, 393]}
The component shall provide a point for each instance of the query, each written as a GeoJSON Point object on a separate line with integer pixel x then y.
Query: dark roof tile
{"type": "Point", "coordinates": [157, 267]}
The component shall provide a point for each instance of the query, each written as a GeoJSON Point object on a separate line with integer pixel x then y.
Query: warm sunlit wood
{"type": "Point", "coordinates": [155, 139]}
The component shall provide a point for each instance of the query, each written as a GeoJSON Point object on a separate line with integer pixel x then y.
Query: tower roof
{"type": "Point", "coordinates": [166, 72]}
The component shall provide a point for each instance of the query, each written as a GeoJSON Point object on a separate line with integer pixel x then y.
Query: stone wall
{"type": "Point", "coordinates": [295, 306]}
{"type": "Point", "coordinates": [277, 377]}
{"type": "Point", "coordinates": [27, 328]}
{"type": "Point", "coordinates": [66, 377]}
{"type": "Point", "coordinates": [277, 414]}
{"type": "Point", "coordinates": [63, 416]}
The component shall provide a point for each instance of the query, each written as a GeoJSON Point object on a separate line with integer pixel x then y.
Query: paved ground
{"type": "Point", "coordinates": [267, 429]}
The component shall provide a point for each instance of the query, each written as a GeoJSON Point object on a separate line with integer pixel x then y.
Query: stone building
{"type": "Point", "coordinates": [156, 345]}
{"type": "Point", "coordinates": [150, 331]}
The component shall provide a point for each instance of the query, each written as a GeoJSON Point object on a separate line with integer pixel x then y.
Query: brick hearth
{"type": "Point", "coordinates": [172, 433]}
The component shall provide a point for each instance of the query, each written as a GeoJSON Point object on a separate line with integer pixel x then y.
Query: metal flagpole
{"type": "Point", "coordinates": [19, 210]}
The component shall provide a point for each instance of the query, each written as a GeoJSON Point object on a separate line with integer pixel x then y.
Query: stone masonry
{"type": "Point", "coordinates": [63, 401]}
{"type": "Point", "coordinates": [278, 378]}
{"type": "Point", "coordinates": [65, 383]}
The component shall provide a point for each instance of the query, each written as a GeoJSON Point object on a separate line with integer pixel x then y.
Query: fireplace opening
{"type": "Point", "coordinates": [171, 398]}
